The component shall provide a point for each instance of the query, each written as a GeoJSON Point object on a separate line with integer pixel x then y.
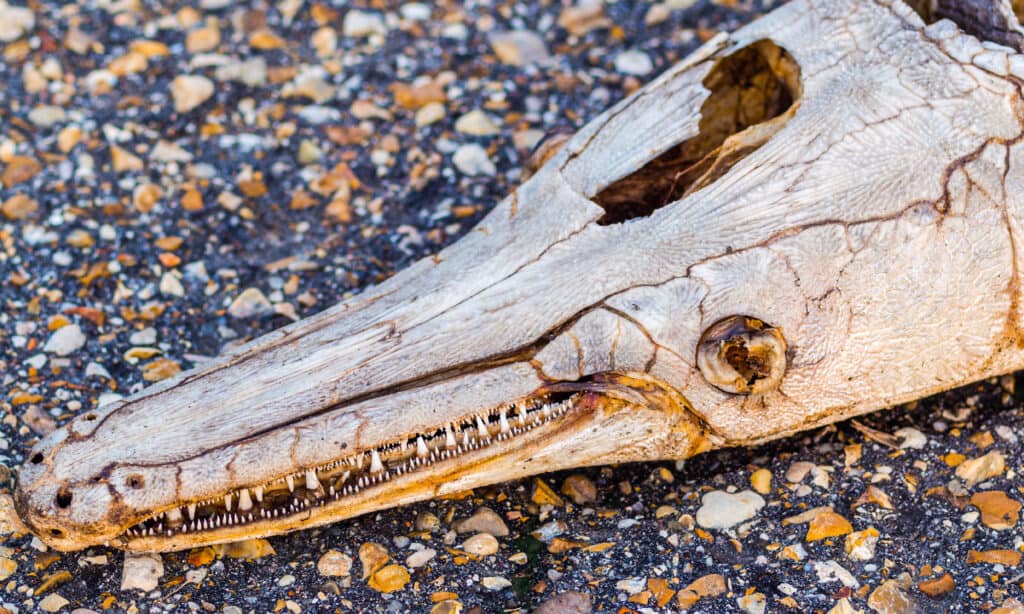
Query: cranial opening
{"type": "Point", "coordinates": [753, 92]}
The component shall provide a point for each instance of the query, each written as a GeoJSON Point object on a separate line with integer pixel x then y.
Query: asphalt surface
{"type": "Point", "coordinates": [141, 218]}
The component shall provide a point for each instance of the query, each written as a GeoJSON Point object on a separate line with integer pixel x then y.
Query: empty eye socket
{"type": "Point", "coordinates": [36, 458]}
{"type": "Point", "coordinates": [136, 480]}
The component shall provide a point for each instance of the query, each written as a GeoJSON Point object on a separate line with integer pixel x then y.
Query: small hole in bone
{"type": "Point", "coordinates": [753, 93]}
{"type": "Point", "coordinates": [63, 499]}
{"type": "Point", "coordinates": [37, 458]}
{"type": "Point", "coordinates": [136, 480]}
{"type": "Point", "coordinates": [56, 532]}
{"type": "Point", "coordinates": [90, 417]}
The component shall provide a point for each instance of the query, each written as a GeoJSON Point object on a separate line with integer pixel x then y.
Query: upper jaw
{"type": "Point", "coordinates": [608, 418]}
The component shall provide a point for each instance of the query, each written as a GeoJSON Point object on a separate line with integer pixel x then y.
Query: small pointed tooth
{"type": "Point", "coordinates": [312, 483]}
{"type": "Point", "coordinates": [258, 491]}
{"type": "Point", "coordinates": [449, 436]}
{"type": "Point", "coordinates": [421, 448]}
{"type": "Point", "coordinates": [481, 428]}
{"type": "Point", "coordinates": [191, 511]}
{"type": "Point", "coordinates": [227, 502]}
{"type": "Point", "coordinates": [503, 421]}
{"type": "Point", "coordinates": [375, 465]}
{"type": "Point", "coordinates": [359, 461]}
{"type": "Point", "coordinates": [466, 440]}
{"type": "Point", "coordinates": [244, 502]}
{"type": "Point", "coordinates": [291, 483]}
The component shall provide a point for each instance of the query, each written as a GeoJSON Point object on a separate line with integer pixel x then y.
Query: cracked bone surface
{"type": "Point", "coordinates": [838, 169]}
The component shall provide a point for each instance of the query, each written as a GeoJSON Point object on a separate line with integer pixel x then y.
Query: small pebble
{"type": "Point", "coordinates": [190, 91]}
{"type": "Point", "coordinates": [141, 572]}
{"type": "Point", "coordinates": [484, 520]}
{"type": "Point", "coordinates": [518, 47]}
{"type": "Point", "coordinates": [360, 23]}
{"type": "Point", "coordinates": [471, 159]}
{"type": "Point", "coordinates": [420, 557]}
{"type": "Point", "coordinates": [334, 563]}
{"type": "Point", "coordinates": [722, 510]}
{"type": "Point", "coordinates": [482, 544]}
{"type": "Point", "coordinates": [65, 340]}
{"type": "Point", "coordinates": [633, 62]}
{"type": "Point", "coordinates": [250, 303]}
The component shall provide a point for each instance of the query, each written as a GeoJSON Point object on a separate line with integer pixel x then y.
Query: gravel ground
{"type": "Point", "coordinates": [177, 179]}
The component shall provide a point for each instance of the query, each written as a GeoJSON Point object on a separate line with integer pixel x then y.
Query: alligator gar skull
{"type": "Point", "coordinates": [815, 217]}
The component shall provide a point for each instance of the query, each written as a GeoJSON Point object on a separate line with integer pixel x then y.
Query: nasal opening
{"type": "Point", "coordinates": [753, 92]}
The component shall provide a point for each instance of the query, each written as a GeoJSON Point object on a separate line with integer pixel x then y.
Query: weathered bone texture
{"type": "Point", "coordinates": [856, 182]}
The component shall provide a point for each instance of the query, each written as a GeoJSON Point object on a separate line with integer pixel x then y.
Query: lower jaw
{"type": "Point", "coordinates": [497, 461]}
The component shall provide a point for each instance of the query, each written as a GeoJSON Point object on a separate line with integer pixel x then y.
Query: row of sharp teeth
{"type": "Point", "coordinates": [526, 418]}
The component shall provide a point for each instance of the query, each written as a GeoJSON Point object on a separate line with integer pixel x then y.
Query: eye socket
{"type": "Point", "coordinates": [63, 498]}
{"type": "Point", "coordinates": [36, 458]}
{"type": "Point", "coordinates": [742, 355]}
{"type": "Point", "coordinates": [89, 417]}
{"type": "Point", "coordinates": [56, 533]}
{"type": "Point", "coordinates": [136, 481]}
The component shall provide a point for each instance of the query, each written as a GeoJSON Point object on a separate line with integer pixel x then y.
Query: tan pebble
{"type": "Point", "coordinates": [891, 599]}
{"type": "Point", "coordinates": [1010, 558]}
{"type": "Point", "coordinates": [325, 41]}
{"type": "Point", "coordinates": [843, 606]}
{"type": "Point", "coordinates": [250, 303]}
{"type": "Point", "coordinates": [477, 123]}
{"type": "Point", "coordinates": [202, 40]}
{"type": "Point", "coordinates": [389, 579]}
{"type": "Point", "coordinates": [826, 525]}
{"type": "Point", "coordinates": [124, 161]}
{"type": "Point", "coordinates": [569, 602]}
{"type": "Point", "coordinates": [543, 495]}
{"type": "Point", "coordinates": [484, 520]}
{"type": "Point", "coordinates": [141, 572]}
{"type": "Point", "coordinates": [80, 238]}
{"type": "Point", "coordinates": [7, 567]}
{"type": "Point", "coordinates": [998, 511]}
{"type": "Point", "coordinates": [710, 585]}
{"type": "Point", "coordinates": [448, 606]}
{"type": "Point", "coordinates": [518, 47]}
{"type": "Point", "coordinates": [373, 556]}
{"type": "Point", "coordinates": [1010, 606]}
{"type": "Point", "coordinates": [68, 137]}
{"type": "Point", "coordinates": [248, 549]}
{"type": "Point", "coordinates": [19, 169]}
{"type": "Point", "coordinates": [420, 557]}
{"type": "Point", "coordinates": [128, 64]}
{"type": "Point", "coordinates": [426, 521]}
{"type": "Point", "coordinates": [334, 563]}
{"type": "Point", "coordinates": [798, 471]}
{"type": "Point", "coordinates": [482, 544]}
{"type": "Point", "coordinates": [860, 545]}
{"type": "Point", "coordinates": [761, 481]}
{"type": "Point", "coordinates": [53, 603]}
{"type": "Point", "coordinates": [977, 470]}
{"type": "Point", "coordinates": [19, 207]}
{"type": "Point", "coordinates": [430, 113]}
{"type": "Point", "coordinates": [937, 587]}
{"type": "Point", "coordinates": [190, 91]}
{"type": "Point", "coordinates": [583, 17]}
{"type": "Point", "coordinates": [146, 196]}
{"type": "Point", "coordinates": [665, 511]}
{"type": "Point", "coordinates": [754, 603]}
